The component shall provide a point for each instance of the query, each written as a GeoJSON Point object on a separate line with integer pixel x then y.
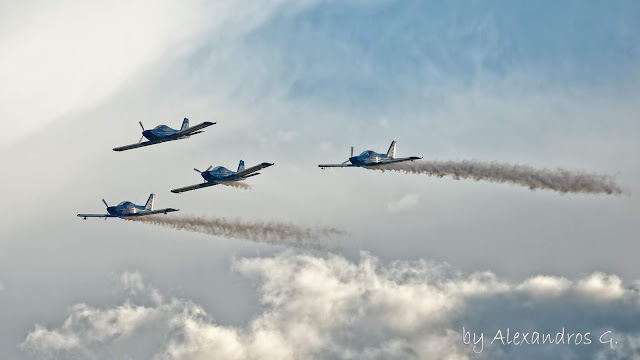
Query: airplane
{"type": "Point", "coordinates": [162, 133]}
{"type": "Point", "coordinates": [128, 209]}
{"type": "Point", "coordinates": [220, 174]}
{"type": "Point", "coordinates": [369, 158]}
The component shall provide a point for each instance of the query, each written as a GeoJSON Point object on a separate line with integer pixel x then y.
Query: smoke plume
{"type": "Point", "coordinates": [238, 185]}
{"type": "Point", "coordinates": [560, 180]}
{"type": "Point", "coordinates": [269, 232]}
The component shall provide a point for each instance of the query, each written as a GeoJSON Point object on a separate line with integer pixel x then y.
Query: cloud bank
{"type": "Point", "coordinates": [330, 307]}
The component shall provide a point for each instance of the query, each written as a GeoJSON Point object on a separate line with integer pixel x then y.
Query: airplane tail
{"type": "Point", "coordinates": [241, 166]}
{"type": "Point", "coordinates": [392, 150]}
{"type": "Point", "coordinates": [149, 204]}
{"type": "Point", "coordinates": [185, 124]}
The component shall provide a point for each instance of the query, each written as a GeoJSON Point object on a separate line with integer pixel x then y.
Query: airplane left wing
{"type": "Point", "coordinates": [397, 160]}
{"type": "Point", "coordinates": [193, 187]}
{"type": "Point", "coordinates": [191, 131]}
{"type": "Point", "coordinates": [245, 173]}
{"type": "Point", "coordinates": [153, 212]}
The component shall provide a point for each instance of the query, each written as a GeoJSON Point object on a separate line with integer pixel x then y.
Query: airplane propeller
{"type": "Point", "coordinates": [105, 203]}
{"type": "Point", "coordinates": [346, 161]}
{"type": "Point", "coordinates": [140, 122]}
{"type": "Point", "coordinates": [209, 168]}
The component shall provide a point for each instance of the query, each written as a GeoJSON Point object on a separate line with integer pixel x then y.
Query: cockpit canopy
{"type": "Point", "coordinates": [368, 153]}
{"type": "Point", "coordinates": [162, 127]}
{"type": "Point", "coordinates": [126, 204]}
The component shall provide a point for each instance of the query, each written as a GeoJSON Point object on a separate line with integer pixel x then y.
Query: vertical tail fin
{"type": "Point", "coordinates": [149, 204]}
{"type": "Point", "coordinates": [392, 150]}
{"type": "Point", "coordinates": [185, 124]}
{"type": "Point", "coordinates": [241, 166]}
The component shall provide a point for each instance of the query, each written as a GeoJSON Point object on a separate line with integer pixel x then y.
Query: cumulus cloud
{"type": "Point", "coordinates": [407, 202]}
{"type": "Point", "coordinates": [330, 307]}
{"type": "Point", "coordinates": [545, 285]}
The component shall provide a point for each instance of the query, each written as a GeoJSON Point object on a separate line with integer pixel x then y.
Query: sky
{"type": "Point", "coordinates": [550, 84]}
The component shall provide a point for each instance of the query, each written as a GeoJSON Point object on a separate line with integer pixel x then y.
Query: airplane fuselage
{"type": "Point", "coordinates": [219, 173]}
{"type": "Point", "coordinates": [159, 132]}
{"type": "Point", "coordinates": [125, 208]}
{"type": "Point", "coordinates": [368, 158]}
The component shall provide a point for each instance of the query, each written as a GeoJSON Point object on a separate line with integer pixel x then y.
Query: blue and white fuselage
{"type": "Point", "coordinates": [220, 174]}
{"type": "Point", "coordinates": [162, 133]}
{"type": "Point", "coordinates": [128, 209]}
{"type": "Point", "coordinates": [125, 208]}
{"type": "Point", "coordinates": [369, 158]}
{"type": "Point", "coordinates": [159, 132]}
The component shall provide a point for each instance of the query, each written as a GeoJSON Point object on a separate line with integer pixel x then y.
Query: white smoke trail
{"type": "Point", "coordinates": [269, 232]}
{"type": "Point", "coordinates": [238, 185]}
{"type": "Point", "coordinates": [560, 180]}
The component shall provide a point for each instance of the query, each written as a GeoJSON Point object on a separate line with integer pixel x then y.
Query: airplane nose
{"type": "Point", "coordinates": [353, 159]}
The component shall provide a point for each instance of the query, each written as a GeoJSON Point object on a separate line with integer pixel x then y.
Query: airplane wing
{"type": "Point", "coordinates": [336, 165]}
{"type": "Point", "coordinates": [194, 187]}
{"type": "Point", "coordinates": [153, 212]}
{"type": "Point", "coordinates": [85, 216]}
{"type": "Point", "coordinates": [133, 146]}
{"type": "Point", "coordinates": [245, 173]}
{"type": "Point", "coordinates": [191, 131]}
{"type": "Point", "coordinates": [397, 160]}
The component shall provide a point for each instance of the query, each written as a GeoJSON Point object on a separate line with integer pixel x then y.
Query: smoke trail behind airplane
{"type": "Point", "coordinates": [269, 232]}
{"type": "Point", "coordinates": [238, 185]}
{"type": "Point", "coordinates": [560, 180]}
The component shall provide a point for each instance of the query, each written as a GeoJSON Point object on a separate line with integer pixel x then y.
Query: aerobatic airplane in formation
{"type": "Point", "coordinates": [128, 209]}
{"type": "Point", "coordinates": [370, 158]}
{"type": "Point", "coordinates": [163, 133]}
{"type": "Point", "coordinates": [220, 175]}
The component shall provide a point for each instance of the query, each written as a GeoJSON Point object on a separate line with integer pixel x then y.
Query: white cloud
{"type": "Point", "coordinates": [545, 285]}
{"type": "Point", "coordinates": [406, 202]}
{"type": "Point", "coordinates": [602, 286]}
{"type": "Point", "coordinates": [329, 307]}
{"type": "Point", "coordinates": [68, 56]}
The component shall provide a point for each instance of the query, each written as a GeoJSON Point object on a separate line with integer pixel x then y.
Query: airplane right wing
{"type": "Point", "coordinates": [194, 187]}
{"type": "Point", "coordinates": [336, 165]}
{"type": "Point", "coordinates": [85, 216]}
{"type": "Point", "coordinates": [133, 146]}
